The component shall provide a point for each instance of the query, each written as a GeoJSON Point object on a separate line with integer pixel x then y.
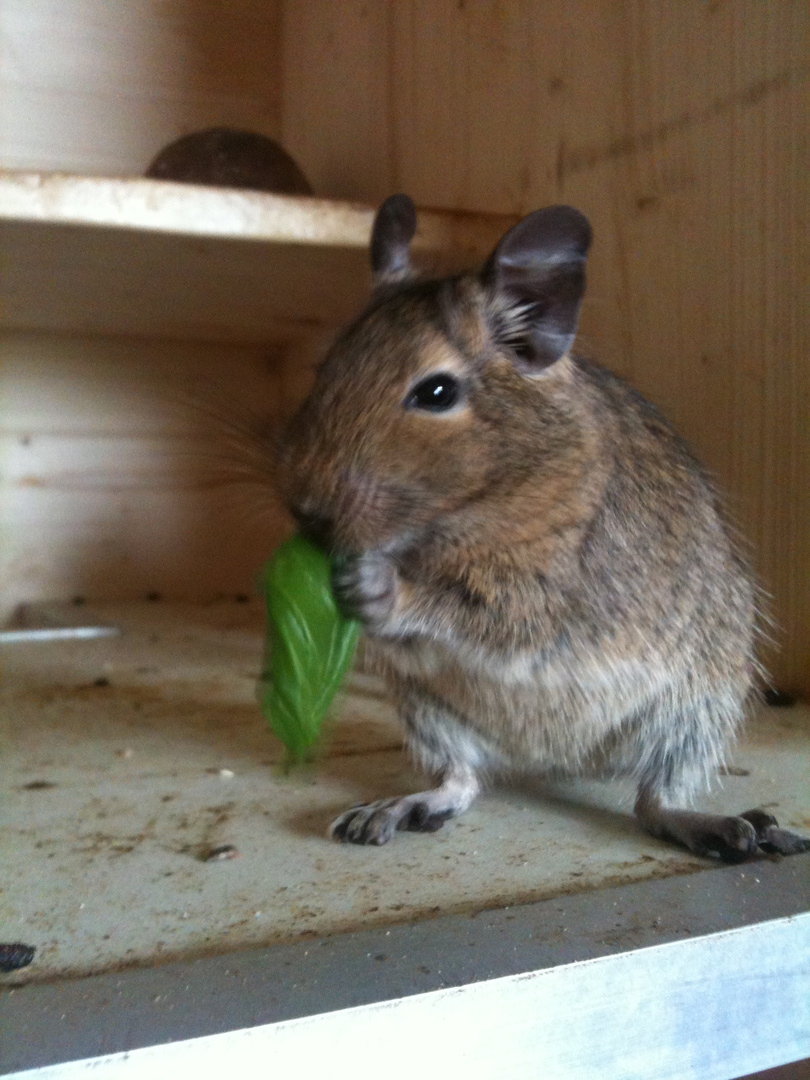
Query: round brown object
{"type": "Point", "coordinates": [224, 157]}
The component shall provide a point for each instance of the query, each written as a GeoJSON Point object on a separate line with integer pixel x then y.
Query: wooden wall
{"type": "Point", "coordinates": [679, 128]}
{"type": "Point", "coordinates": [122, 475]}
{"type": "Point", "coordinates": [99, 86]}
{"type": "Point", "coordinates": [109, 485]}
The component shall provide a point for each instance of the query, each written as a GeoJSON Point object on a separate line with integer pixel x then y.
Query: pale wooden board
{"type": "Point", "coordinates": [707, 1008]}
{"type": "Point", "coordinates": [127, 465]}
{"type": "Point", "coordinates": [160, 259]}
{"type": "Point", "coordinates": [121, 474]}
{"type": "Point", "coordinates": [681, 131]}
{"type": "Point", "coordinates": [94, 86]}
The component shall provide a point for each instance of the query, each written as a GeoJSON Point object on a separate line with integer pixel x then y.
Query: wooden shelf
{"type": "Point", "coordinates": [146, 257]}
{"type": "Point", "coordinates": [177, 705]}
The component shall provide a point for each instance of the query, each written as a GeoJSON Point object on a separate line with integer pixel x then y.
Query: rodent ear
{"type": "Point", "coordinates": [536, 278]}
{"type": "Point", "coordinates": [391, 237]}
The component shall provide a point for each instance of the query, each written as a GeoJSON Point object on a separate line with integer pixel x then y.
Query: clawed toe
{"type": "Point", "coordinates": [735, 839]}
{"type": "Point", "coordinates": [376, 823]}
{"type": "Point", "coordinates": [773, 840]}
{"type": "Point", "coordinates": [731, 839]}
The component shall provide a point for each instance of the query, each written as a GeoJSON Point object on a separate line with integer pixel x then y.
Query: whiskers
{"type": "Point", "coordinates": [231, 443]}
{"type": "Point", "coordinates": [230, 448]}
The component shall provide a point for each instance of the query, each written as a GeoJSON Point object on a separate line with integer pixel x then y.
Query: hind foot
{"type": "Point", "coordinates": [731, 839]}
{"type": "Point", "coordinates": [771, 838]}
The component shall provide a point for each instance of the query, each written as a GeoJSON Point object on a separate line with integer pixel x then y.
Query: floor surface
{"type": "Point", "coordinates": [126, 760]}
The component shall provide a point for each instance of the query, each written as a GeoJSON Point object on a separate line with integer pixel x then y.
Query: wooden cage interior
{"type": "Point", "coordinates": [144, 326]}
{"type": "Point", "coordinates": [680, 130]}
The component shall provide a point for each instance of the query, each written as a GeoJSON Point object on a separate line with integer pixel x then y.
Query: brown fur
{"type": "Point", "coordinates": [544, 570]}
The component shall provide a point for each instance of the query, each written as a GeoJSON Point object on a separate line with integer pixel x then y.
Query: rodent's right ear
{"type": "Point", "coordinates": [536, 278]}
{"type": "Point", "coordinates": [391, 237]}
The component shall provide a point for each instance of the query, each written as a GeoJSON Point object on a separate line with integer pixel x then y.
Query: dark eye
{"type": "Point", "coordinates": [438, 393]}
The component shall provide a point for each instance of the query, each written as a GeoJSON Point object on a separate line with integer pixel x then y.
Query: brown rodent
{"type": "Point", "coordinates": [226, 157]}
{"type": "Point", "coordinates": [540, 563]}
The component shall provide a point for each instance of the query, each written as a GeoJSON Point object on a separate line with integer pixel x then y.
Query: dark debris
{"type": "Point", "coordinates": [15, 955]}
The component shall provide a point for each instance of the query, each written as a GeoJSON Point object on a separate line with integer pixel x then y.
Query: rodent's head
{"type": "Point", "coordinates": [443, 397]}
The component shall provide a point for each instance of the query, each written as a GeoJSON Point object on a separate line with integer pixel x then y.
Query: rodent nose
{"type": "Point", "coordinates": [315, 526]}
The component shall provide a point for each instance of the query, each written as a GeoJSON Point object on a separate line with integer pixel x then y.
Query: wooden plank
{"type": "Point", "coordinates": [340, 123]}
{"type": "Point", "coordinates": [150, 258]}
{"type": "Point", "coordinates": [97, 87]}
{"type": "Point", "coordinates": [128, 468]}
{"type": "Point", "coordinates": [714, 287]}
{"type": "Point", "coordinates": [56, 199]}
{"type": "Point", "coordinates": [711, 1007]}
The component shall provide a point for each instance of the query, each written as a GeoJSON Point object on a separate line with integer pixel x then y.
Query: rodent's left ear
{"type": "Point", "coordinates": [536, 278]}
{"type": "Point", "coordinates": [391, 237]}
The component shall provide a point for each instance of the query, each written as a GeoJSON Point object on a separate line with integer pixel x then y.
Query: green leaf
{"type": "Point", "coordinates": [309, 646]}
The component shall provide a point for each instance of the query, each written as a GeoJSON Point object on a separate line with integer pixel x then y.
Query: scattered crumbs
{"type": "Point", "coordinates": [222, 853]}
{"type": "Point", "coordinates": [39, 785]}
{"type": "Point", "coordinates": [226, 774]}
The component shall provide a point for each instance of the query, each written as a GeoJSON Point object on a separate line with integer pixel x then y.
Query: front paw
{"type": "Point", "coordinates": [365, 587]}
{"type": "Point", "coordinates": [376, 823]}
{"type": "Point", "coordinates": [373, 823]}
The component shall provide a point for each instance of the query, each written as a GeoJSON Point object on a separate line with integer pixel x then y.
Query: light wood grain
{"type": "Point", "coordinates": [681, 131]}
{"type": "Point", "coordinates": [128, 468]}
{"type": "Point", "coordinates": [100, 87]}
{"type": "Point", "coordinates": [710, 1007]}
{"type": "Point", "coordinates": [177, 260]}
{"type": "Point", "coordinates": [111, 513]}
